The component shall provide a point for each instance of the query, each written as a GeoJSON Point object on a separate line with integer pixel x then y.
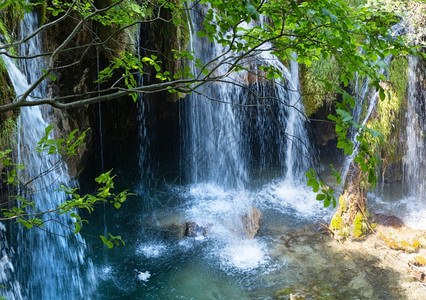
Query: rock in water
{"type": "Point", "coordinates": [251, 222]}
{"type": "Point", "coordinates": [192, 229]}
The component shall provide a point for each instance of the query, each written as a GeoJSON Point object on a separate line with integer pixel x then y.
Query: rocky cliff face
{"type": "Point", "coordinates": [79, 79]}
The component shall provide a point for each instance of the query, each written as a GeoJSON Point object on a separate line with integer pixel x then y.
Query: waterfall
{"type": "Point", "coordinates": [414, 160]}
{"type": "Point", "coordinates": [50, 264]}
{"type": "Point", "coordinates": [406, 201]}
{"type": "Point", "coordinates": [211, 148]}
{"type": "Point", "coordinates": [244, 144]}
{"type": "Point", "coordinates": [12, 288]}
{"type": "Point", "coordinates": [231, 135]}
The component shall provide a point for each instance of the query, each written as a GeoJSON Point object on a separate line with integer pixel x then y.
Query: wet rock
{"type": "Point", "coordinates": [192, 229]}
{"type": "Point", "coordinates": [390, 221]}
{"type": "Point", "coordinates": [172, 225]}
{"type": "Point", "coordinates": [251, 222]}
{"type": "Point", "coordinates": [175, 230]}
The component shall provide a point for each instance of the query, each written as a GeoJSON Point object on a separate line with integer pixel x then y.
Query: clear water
{"type": "Point", "coordinates": [158, 263]}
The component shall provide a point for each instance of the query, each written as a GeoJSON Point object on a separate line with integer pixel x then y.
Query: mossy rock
{"type": "Point", "coordinates": [419, 261]}
{"type": "Point", "coordinates": [342, 203]}
{"type": "Point", "coordinates": [408, 246]}
{"type": "Point", "coordinates": [398, 76]}
{"type": "Point", "coordinates": [7, 119]}
{"type": "Point", "coordinates": [284, 292]}
{"type": "Point", "coordinates": [313, 86]}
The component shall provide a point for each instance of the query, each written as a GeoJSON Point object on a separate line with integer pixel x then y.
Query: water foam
{"type": "Point", "coordinates": [407, 209]}
{"type": "Point", "coordinates": [152, 250]}
{"type": "Point", "coordinates": [292, 198]}
{"type": "Point", "coordinates": [143, 276]}
{"type": "Point", "coordinates": [244, 255]}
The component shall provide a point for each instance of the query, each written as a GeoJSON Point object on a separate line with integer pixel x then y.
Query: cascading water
{"type": "Point", "coordinates": [12, 288]}
{"type": "Point", "coordinates": [244, 148]}
{"type": "Point", "coordinates": [50, 265]}
{"type": "Point", "coordinates": [228, 132]}
{"type": "Point", "coordinates": [406, 202]}
{"type": "Point", "coordinates": [409, 204]}
{"type": "Point", "coordinates": [362, 92]}
{"type": "Point", "coordinates": [414, 161]}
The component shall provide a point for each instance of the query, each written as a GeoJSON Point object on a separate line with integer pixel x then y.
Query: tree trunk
{"type": "Point", "coordinates": [352, 216]}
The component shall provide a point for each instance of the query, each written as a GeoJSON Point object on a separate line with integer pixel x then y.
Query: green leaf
{"type": "Point", "coordinates": [77, 227]}
{"type": "Point", "coordinates": [320, 197]}
{"type": "Point", "coordinates": [201, 34]}
{"type": "Point", "coordinates": [325, 11]}
{"type": "Point", "coordinates": [315, 186]}
{"type": "Point", "coordinates": [341, 144]}
{"type": "Point", "coordinates": [382, 94]}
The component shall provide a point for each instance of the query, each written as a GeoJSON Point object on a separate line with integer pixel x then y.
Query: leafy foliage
{"type": "Point", "coordinates": [61, 146]}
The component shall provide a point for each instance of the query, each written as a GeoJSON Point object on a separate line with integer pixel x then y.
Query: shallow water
{"type": "Point", "coordinates": [290, 254]}
{"type": "Point", "coordinates": [393, 200]}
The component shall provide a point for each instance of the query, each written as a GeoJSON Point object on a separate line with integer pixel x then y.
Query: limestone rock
{"type": "Point", "coordinates": [251, 222]}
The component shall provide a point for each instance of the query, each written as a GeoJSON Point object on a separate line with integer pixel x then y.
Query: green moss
{"type": "Point", "coordinates": [284, 292]}
{"type": "Point", "coordinates": [10, 18]}
{"type": "Point", "coordinates": [337, 222]}
{"type": "Point", "coordinates": [404, 245]}
{"type": "Point", "coordinates": [314, 88]}
{"type": "Point", "coordinates": [41, 9]}
{"type": "Point", "coordinates": [398, 76]}
{"type": "Point", "coordinates": [4, 31]}
{"type": "Point", "coordinates": [7, 119]}
{"type": "Point", "coordinates": [419, 261]}
{"type": "Point", "coordinates": [8, 131]}
{"type": "Point", "coordinates": [12, 15]}
{"type": "Point", "coordinates": [359, 225]}
{"type": "Point", "coordinates": [342, 202]}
